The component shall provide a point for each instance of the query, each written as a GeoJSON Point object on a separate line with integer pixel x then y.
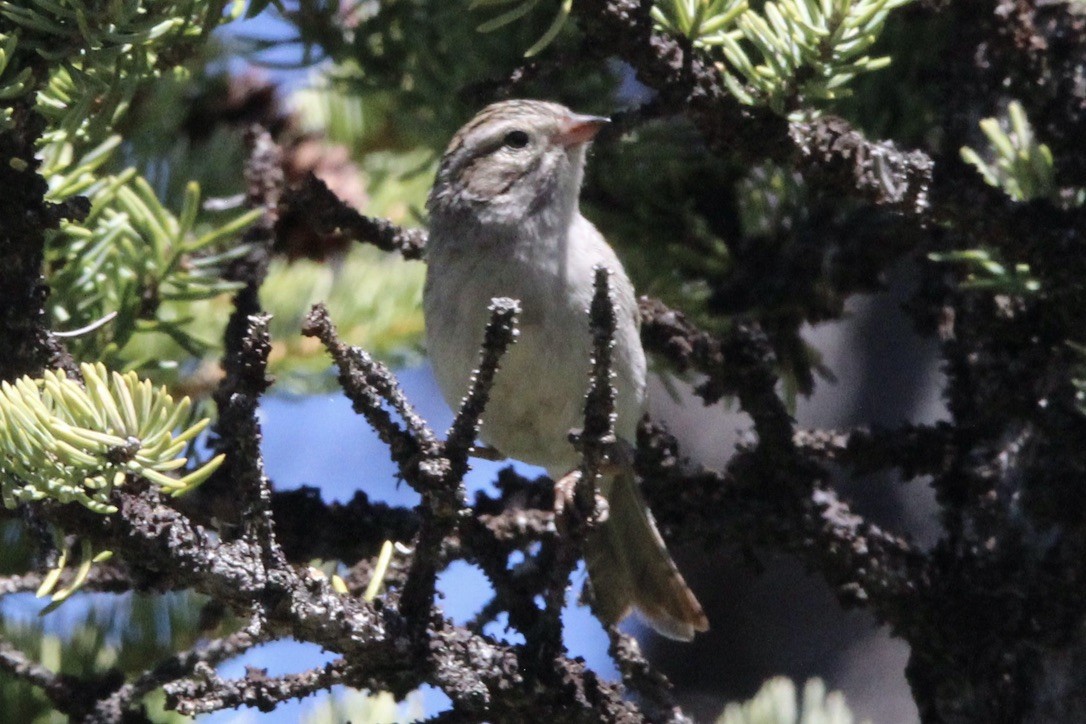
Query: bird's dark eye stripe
{"type": "Point", "coordinates": [515, 139]}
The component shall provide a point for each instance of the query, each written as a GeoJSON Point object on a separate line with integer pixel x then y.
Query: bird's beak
{"type": "Point", "coordinates": [578, 129]}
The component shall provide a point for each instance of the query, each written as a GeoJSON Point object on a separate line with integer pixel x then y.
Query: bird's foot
{"type": "Point", "coordinates": [565, 491]}
{"type": "Point", "coordinates": [565, 496]}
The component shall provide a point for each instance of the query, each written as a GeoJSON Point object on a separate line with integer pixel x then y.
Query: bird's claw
{"type": "Point", "coordinates": [565, 495]}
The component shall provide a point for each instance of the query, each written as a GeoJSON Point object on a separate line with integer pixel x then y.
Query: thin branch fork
{"type": "Point", "coordinates": [369, 384]}
{"type": "Point", "coordinates": [575, 495]}
{"type": "Point", "coordinates": [521, 515]}
{"type": "Point", "coordinates": [15, 663]}
{"type": "Point", "coordinates": [318, 205]}
{"type": "Point", "coordinates": [748, 505]}
{"type": "Point", "coordinates": [445, 502]}
{"type": "Point", "coordinates": [488, 544]}
{"type": "Point", "coordinates": [207, 692]}
{"type": "Point", "coordinates": [435, 470]}
{"type": "Point", "coordinates": [443, 499]}
{"type": "Point", "coordinates": [184, 663]}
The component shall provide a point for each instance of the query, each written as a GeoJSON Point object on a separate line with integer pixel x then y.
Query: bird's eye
{"type": "Point", "coordinates": [515, 139]}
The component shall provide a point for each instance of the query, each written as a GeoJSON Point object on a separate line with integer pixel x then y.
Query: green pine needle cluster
{"type": "Point", "coordinates": [789, 55]}
{"type": "Point", "coordinates": [71, 442]}
{"type": "Point", "coordinates": [100, 53]}
{"type": "Point", "coordinates": [776, 703]}
{"type": "Point", "coordinates": [520, 9]}
{"type": "Point", "coordinates": [82, 64]}
{"type": "Point", "coordinates": [704, 22]}
{"type": "Point", "coordinates": [1019, 163]}
{"type": "Point", "coordinates": [87, 558]}
{"type": "Point", "coordinates": [988, 272]}
{"type": "Point", "coordinates": [134, 255]}
{"type": "Point", "coordinates": [14, 84]}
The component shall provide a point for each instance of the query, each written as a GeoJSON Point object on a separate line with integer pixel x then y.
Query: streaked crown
{"type": "Point", "coordinates": [511, 158]}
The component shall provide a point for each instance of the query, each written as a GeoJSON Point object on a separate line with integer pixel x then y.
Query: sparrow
{"type": "Point", "coordinates": [505, 221]}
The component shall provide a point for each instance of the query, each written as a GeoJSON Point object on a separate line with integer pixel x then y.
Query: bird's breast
{"type": "Point", "coordinates": [538, 393]}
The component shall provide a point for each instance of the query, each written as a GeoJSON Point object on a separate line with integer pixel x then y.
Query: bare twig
{"type": "Point", "coordinates": [369, 384]}
{"type": "Point", "coordinates": [595, 441]}
{"type": "Point", "coordinates": [238, 426]}
{"type": "Point", "coordinates": [914, 449]}
{"type": "Point", "coordinates": [749, 503]}
{"type": "Point", "coordinates": [236, 433]}
{"type": "Point", "coordinates": [208, 692]}
{"type": "Point", "coordinates": [575, 509]}
{"type": "Point", "coordinates": [740, 364]}
{"type": "Point", "coordinates": [69, 694]}
{"type": "Point", "coordinates": [18, 664]}
{"type": "Point", "coordinates": [114, 708]}
{"type": "Point", "coordinates": [264, 179]}
{"type": "Point", "coordinates": [639, 677]}
{"type": "Point", "coordinates": [514, 590]}
{"type": "Point", "coordinates": [500, 333]}
{"type": "Point", "coordinates": [315, 202]}
{"type": "Point", "coordinates": [444, 498]}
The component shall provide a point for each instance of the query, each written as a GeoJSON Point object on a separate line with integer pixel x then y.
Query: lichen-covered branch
{"type": "Point", "coordinates": [758, 501]}
{"type": "Point", "coordinates": [236, 432]}
{"type": "Point", "coordinates": [443, 496]}
{"type": "Point", "coordinates": [121, 702]}
{"type": "Point", "coordinates": [501, 331]}
{"type": "Point", "coordinates": [575, 497]}
{"type": "Point", "coordinates": [208, 692]}
{"type": "Point", "coordinates": [374, 641]}
{"type": "Point", "coordinates": [315, 202]}
{"type": "Point", "coordinates": [369, 384]}
{"type": "Point", "coordinates": [828, 150]}
{"type": "Point", "coordinates": [740, 364]}
{"type": "Point", "coordinates": [639, 676]}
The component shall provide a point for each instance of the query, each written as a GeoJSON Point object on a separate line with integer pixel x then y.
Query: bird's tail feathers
{"type": "Point", "coordinates": [630, 568]}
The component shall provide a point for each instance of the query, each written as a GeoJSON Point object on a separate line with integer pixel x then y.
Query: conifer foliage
{"type": "Point", "coordinates": [179, 238]}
